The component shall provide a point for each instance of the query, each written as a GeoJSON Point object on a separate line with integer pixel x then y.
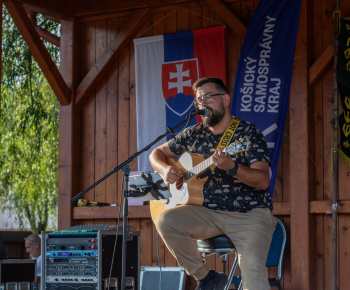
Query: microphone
{"type": "Point", "coordinates": [204, 112]}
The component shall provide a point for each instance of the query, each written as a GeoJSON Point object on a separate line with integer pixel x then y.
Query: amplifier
{"type": "Point", "coordinates": [85, 259]}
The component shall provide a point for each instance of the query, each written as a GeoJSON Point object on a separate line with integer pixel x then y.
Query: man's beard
{"type": "Point", "coordinates": [215, 117]}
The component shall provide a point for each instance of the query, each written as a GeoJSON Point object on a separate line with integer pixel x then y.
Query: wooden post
{"type": "Point", "coordinates": [301, 176]}
{"type": "Point", "coordinates": [70, 125]}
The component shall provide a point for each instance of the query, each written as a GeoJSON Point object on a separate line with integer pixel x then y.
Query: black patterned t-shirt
{"type": "Point", "coordinates": [220, 191]}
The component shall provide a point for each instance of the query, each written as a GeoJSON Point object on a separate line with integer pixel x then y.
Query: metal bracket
{"type": "Point", "coordinates": [335, 207]}
{"type": "Point", "coordinates": [334, 123]}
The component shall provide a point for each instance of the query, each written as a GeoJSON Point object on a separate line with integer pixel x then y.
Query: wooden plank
{"type": "Point", "coordinates": [69, 126]}
{"type": "Point", "coordinates": [279, 209]}
{"type": "Point", "coordinates": [319, 146]}
{"type": "Point", "coordinates": [231, 19]}
{"type": "Point", "coordinates": [287, 268]}
{"type": "Point", "coordinates": [286, 160]}
{"type": "Point", "coordinates": [321, 65]}
{"type": "Point", "coordinates": [170, 23]}
{"type": "Point", "coordinates": [277, 194]}
{"type": "Point", "coordinates": [123, 106]}
{"type": "Point", "coordinates": [328, 137]}
{"type": "Point", "coordinates": [88, 117]}
{"type": "Point", "coordinates": [158, 23]}
{"type": "Point", "coordinates": [132, 113]}
{"type": "Point", "coordinates": [104, 212]}
{"type": "Point", "coordinates": [158, 249]}
{"type": "Point", "coordinates": [112, 122]}
{"type": "Point", "coordinates": [39, 51]}
{"type": "Point", "coordinates": [300, 217]}
{"type": "Point", "coordinates": [110, 55]}
{"type": "Point", "coordinates": [182, 20]}
{"type": "Point", "coordinates": [344, 248]}
{"type": "Point", "coordinates": [325, 207]}
{"type": "Point", "coordinates": [195, 18]}
{"type": "Point", "coordinates": [320, 258]}
{"type": "Point", "coordinates": [326, 35]}
{"type": "Point", "coordinates": [146, 242]}
{"type": "Point", "coordinates": [208, 17]}
{"type": "Point", "coordinates": [101, 118]}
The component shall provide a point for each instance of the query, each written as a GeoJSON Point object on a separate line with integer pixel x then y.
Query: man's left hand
{"type": "Point", "coordinates": [222, 161]}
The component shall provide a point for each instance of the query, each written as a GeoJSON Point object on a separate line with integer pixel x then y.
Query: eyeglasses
{"type": "Point", "coordinates": [207, 99]}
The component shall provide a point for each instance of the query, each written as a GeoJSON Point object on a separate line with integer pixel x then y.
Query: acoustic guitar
{"type": "Point", "coordinates": [188, 190]}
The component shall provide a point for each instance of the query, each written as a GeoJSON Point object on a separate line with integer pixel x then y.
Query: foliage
{"type": "Point", "coordinates": [29, 131]}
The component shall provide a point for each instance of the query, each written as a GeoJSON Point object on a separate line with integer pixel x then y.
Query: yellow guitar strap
{"type": "Point", "coordinates": [226, 138]}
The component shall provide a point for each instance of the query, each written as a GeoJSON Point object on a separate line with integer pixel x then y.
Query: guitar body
{"type": "Point", "coordinates": [189, 190]}
{"type": "Point", "coordinates": [184, 192]}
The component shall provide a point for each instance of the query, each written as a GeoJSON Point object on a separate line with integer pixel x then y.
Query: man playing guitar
{"type": "Point", "coordinates": [236, 197]}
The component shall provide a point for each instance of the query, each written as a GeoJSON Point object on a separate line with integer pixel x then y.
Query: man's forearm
{"type": "Point", "coordinates": [158, 160]}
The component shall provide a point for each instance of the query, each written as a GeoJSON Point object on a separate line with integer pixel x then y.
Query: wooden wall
{"type": "Point", "coordinates": [99, 133]}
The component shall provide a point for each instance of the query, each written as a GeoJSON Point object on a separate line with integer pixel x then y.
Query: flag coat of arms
{"type": "Point", "coordinates": [166, 68]}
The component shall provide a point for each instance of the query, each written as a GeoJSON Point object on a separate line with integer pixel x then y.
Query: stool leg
{"type": "Point", "coordinates": [232, 272]}
{"type": "Point", "coordinates": [224, 259]}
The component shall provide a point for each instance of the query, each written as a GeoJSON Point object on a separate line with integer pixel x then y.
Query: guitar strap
{"type": "Point", "coordinates": [227, 137]}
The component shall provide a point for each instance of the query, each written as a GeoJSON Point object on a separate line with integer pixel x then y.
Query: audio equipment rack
{"type": "Point", "coordinates": [80, 257]}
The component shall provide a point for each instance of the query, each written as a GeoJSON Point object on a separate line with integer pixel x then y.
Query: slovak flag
{"type": "Point", "coordinates": [166, 68]}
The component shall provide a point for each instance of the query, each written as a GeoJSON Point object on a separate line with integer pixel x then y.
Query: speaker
{"type": "Point", "coordinates": [172, 278]}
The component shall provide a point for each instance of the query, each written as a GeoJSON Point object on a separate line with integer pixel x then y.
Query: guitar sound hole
{"type": "Point", "coordinates": [179, 183]}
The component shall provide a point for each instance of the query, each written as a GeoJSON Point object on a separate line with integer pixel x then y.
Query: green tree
{"type": "Point", "coordinates": [29, 131]}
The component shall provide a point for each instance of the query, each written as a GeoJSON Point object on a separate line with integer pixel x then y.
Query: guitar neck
{"type": "Point", "coordinates": [239, 146]}
{"type": "Point", "coordinates": [198, 168]}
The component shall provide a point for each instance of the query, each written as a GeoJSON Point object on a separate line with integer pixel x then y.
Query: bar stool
{"type": "Point", "coordinates": [221, 246]}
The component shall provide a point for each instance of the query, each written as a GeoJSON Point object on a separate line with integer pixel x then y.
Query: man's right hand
{"type": "Point", "coordinates": [172, 174]}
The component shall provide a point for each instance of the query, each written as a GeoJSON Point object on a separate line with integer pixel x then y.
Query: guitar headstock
{"type": "Point", "coordinates": [239, 146]}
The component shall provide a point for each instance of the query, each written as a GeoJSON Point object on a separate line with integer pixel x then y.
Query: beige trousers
{"type": "Point", "coordinates": [250, 232]}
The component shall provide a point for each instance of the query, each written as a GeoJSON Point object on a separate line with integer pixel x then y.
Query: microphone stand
{"type": "Point", "coordinates": [126, 170]}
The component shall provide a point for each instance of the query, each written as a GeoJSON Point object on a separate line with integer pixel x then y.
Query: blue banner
{"type": "Point", "coordinates": [264, 73]}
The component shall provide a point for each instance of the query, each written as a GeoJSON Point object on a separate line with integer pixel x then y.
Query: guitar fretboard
{"type": "Point", "coordinates": [236, 147]}
{"type": "Point", "coordinates": [198, 168]}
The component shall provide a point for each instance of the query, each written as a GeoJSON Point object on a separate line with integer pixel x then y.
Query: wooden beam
{"type": "Point", "coordinates": [302, 252]}
{"type": "Point", "coordinates": [230, 18]}
{"type": "Point", "coordinates": [60, 9]}
{"type": "Point", "coordinates": [69, 158]}
{"type": "Point", "coordinates": [91, 7]}
{"type": "Point", "coordinates": [325, 206]}
{"type": "Point", "coordinates": [281, 208]}
{"type": "Point", "coordinates": [102, 212]}
{"type": "Point", "coordinates": [44, 34]}
{"type": "Point", "coordinates": [39, 51]}
{"type": "Point", "coordinates": [111, 54]}
{"type": "Point", "coordinates": [320, 66]}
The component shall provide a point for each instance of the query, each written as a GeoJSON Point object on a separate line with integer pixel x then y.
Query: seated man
{"type": "Point", "coordinates": [237, 200]}
{"type": "Point", "coordinates": [33, 248]}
